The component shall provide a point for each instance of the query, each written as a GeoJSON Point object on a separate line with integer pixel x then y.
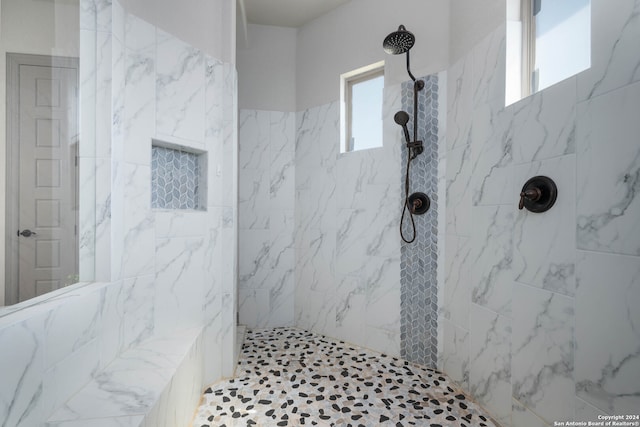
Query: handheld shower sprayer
{"type": "Point", "coordinates": [399, 42]}
{"type": "Point", "coordinates": [402, 118]}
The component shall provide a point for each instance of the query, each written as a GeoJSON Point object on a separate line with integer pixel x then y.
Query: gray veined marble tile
{"type": "Point", "coordinates": [614, 60]}
{"type": "Point", "coordinates": [544, 243]}
{"type": "Point", "coordinates": [490, 361]}
{"type": "Point", "coordinates": [544, 124]}
{"type": "Point", "coordinates": [608, 180]}
{"type": "Point", "coordinates": [180, 86]}
{"type": "Point", "coordinates": [491, 156]}
{"type": "Point", "coordinates": [542, 352]}
{"type": "Point", "coordinates": [492, 258]}
{"type": "Point", "coordinates": [607, 323]}
{"type": "Point", "coordinates": [459, 103]}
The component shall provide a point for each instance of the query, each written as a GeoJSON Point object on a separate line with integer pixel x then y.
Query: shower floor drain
{"type": "Point", "coordinates": [289, 377]}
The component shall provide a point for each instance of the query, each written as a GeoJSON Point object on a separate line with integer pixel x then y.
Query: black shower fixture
{"type": "Point", "coordinates": [398, 42]}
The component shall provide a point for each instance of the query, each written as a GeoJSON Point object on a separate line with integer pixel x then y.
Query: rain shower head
{"type": "Point", "coordinates": [399, 41]}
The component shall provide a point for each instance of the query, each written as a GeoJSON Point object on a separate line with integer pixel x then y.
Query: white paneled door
{"type": "Point", "coordinates": [44, 146]}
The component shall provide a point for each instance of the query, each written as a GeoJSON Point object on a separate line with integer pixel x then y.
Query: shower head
{"type": "Point", "coordinates": [402, 118]}
{"type": "Point", "coordinates": [399, 41]}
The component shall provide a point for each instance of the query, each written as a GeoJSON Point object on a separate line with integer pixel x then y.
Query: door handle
{"type": "Point", "coordinates": [26, 233]}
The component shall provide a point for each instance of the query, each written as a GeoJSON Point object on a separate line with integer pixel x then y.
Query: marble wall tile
{"type": "Point", "coordinates": [64, 379]}
{"type": "Point", "coordinates": [281, 235]}
{"type": "Point", "coordinates": [455, 356]}
{"type": "Point", "coordinates": [383, 294]}
{"type": "Point", "coordinates": [138, 309]}
{"type": "Point", "coordinates": [490, 361]}
{"type": "Point", "coordinates": [254, 199]}
{"type": "Point", "coordinates": [607, 296]}
{"type": "Point", "coordinates": [22, 371]}
{"type": "Point", "coordinates": [254, 265]}
{"type": "Point", "coordinates": [103, 93]}
{"type": "Point", "coordinates": [459, 191]}
{"type": "Point", "coordinates": [384, 341]}
{"type": "Point", "coordinates": [110, 336]}
{"type": "Point", "coordinates": [457, 292]}
{"type": "Point", "coordinates": [491, 156]}
{"type": "Point", "coordinates": [266, 220]}
{"type": "Point", "coordinates": [542, 352]}
{"type": "Point", "coordinates": [488, 75]}
{"type": "Point", "coordinates": [282, 131]}
{"type": "Point", "coordinates": [228, 334]}
{"type": "Point", "coordinates": [282, 298]}
{"type": "Point", "coordinates": [587, 412]}
{"type": "Point", "coordinates": [544, 243]}
{"type": "Point", "coordinates": [179, 83]}
{"type": "Point", "coordinates": [139, 233]}
{"type": "Point", "coordinates": [317, 137]}
{"type": "Point", "coordinates": [492, 258]}
{"type": "Point", "coordinates": [140, 90]}
{"type": "Point", "coordinates": [608, 172]}
{"type": "Point", "coordinates": [70, 327]}
{"type": "Point", "coordinates": [212, 339]}
{"type": "Point", "coordinates": [615, 30]}
{"type": "Point", "coordinates": [282, 180]}
{"type": "Point", "coordinates": [213, 133]}
{"type": "Point", "coordinates": [255, 131]}
{"type": "Point", "coordinates": [315, 263]}
{"type": "Point", "coordinates": [103, 199]}
{"type": "Point", "coordinates": [183, 224]}
{"type": "Point", "coordinates": [316, 199]}
{"type": "Point", "coordinates": [351, 306]}
{"type": "Point", "coordinates": [459, 103]}
{"type": "Point", "coordinates": [179, 283]}
{"type": "Point", "coordinates": [544, 124]}
{"type": "Point", "coordinates": [522, 417]}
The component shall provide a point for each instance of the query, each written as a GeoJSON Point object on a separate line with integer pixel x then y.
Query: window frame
{"type": "Point", "coordinates": [347, 82]}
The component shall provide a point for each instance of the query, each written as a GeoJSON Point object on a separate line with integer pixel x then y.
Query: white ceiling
{"type": "Point", "coordinates": [287, 13]}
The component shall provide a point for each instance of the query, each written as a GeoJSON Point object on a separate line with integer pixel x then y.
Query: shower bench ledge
{"type": "Point", "coordinates": [157, 383]}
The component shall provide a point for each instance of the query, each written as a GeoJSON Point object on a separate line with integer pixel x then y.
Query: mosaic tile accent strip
{"type": "Point", "coordinates": [175, 177]}
{"type": "Point", "coordinates": [418, 260]}
{"type": "Point", "coordinates": [291, 377]}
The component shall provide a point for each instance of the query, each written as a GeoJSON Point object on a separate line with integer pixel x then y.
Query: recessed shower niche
{"type": "Point", "coordinates": [178, 177]}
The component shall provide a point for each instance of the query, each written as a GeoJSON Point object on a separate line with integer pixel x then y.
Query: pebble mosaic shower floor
{"type": "Point", "coordinates": [290, 377]}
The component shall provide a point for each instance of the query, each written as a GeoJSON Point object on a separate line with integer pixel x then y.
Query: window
{"type": "Point", "coordinates": [547, 42]}
{"type": "Point", "coordinates": [361, 108]}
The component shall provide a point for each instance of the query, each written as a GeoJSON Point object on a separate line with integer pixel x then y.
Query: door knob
{"type": "Point", "coordinates": [26, 233]}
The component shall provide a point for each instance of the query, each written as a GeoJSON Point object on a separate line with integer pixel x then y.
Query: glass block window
{"type": "Point", "coordinates": [175, 179]}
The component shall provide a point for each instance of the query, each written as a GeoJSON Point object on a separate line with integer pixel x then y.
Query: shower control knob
{"type": "Point", "coordinates": [538, 194]}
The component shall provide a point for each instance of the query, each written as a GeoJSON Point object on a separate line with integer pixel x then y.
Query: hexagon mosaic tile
{"type": "Point", "coordinates": [418, 280]}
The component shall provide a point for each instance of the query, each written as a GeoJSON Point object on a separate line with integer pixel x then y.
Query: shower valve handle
{"type": "Point", "coordinates": [532, 194]}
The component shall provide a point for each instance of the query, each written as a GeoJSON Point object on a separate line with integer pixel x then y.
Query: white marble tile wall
{"type": "Point", "coordinates": [266, 218]}
{"type": "Point", "coordinates": [537, 314]}
{"type": "Point", "coordinates": [347, 244]}
{"type": "Point", "coordinates": [162, 271]}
